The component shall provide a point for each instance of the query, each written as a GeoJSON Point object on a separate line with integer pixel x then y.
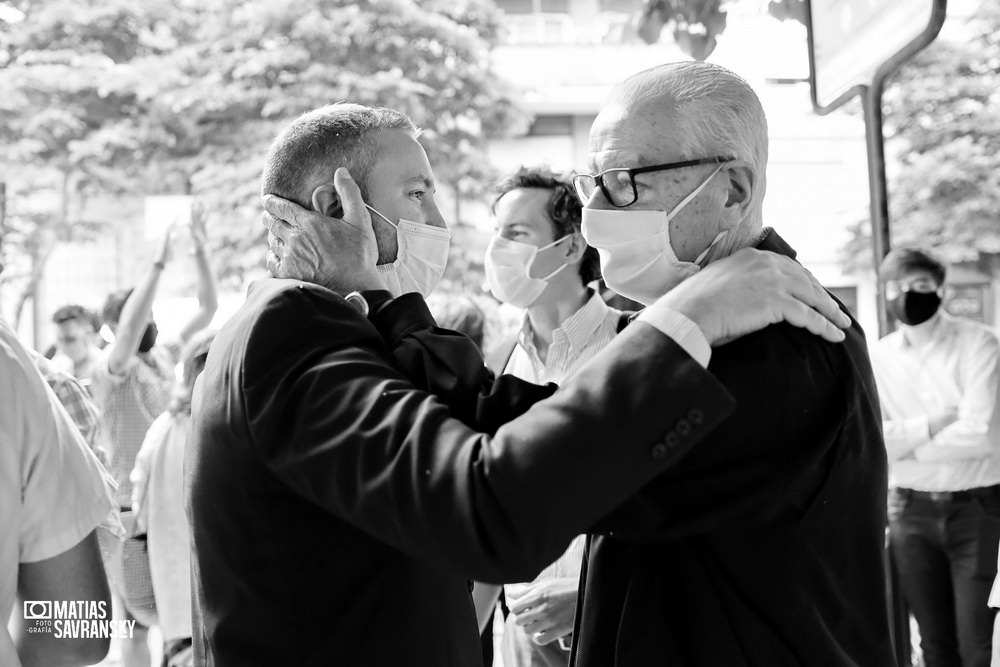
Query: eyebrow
{"type": "Point", "coordinates": [420, 180]}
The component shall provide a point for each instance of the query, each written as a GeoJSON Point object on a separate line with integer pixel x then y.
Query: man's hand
{"type": "Point", "coordinates": [937, 422]}
{"type": "Point", "coordinates": [752, 289]}
{"type": "Point", "coordinates": [545, 610]}
{"type": "Point", "coordinates": [339, 254]}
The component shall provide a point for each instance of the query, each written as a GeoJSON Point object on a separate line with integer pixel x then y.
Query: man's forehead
{"type": "Point", "coordinates": [629, 135]}
{"type": "Point", "coordinates": [522, 204]}
{"type": "Point", "coordinates": [401, 159]}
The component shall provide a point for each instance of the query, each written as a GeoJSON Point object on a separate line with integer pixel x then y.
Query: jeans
{"type": "Point", "coordinates": [945, 550]}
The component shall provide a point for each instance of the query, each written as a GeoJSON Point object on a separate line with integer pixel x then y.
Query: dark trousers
{"type": "Point", "coordinates": [945, 549]}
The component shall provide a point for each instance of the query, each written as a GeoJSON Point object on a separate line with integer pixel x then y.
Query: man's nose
{"type": "Point", "coordinates": [434, 217]}
{"type": "Point", "coordinates": [598, 200]}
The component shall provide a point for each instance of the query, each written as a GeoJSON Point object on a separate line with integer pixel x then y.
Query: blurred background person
{"type": "Point", "coordinates": [158, 504]}
{"type": "Point", "coordinates": [78, 341]}
{"type": "Point", "coordinates": [133, 384]}
{"type": "Point", "coordinates": [938, 378]}
{"type": "Point", "coordinates": [537, 260]}
{"type": "Point", "coordinates": [77, 402]}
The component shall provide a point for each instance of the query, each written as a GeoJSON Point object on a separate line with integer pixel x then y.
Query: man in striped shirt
{"type": "Point", "coordinates": [538, 260]}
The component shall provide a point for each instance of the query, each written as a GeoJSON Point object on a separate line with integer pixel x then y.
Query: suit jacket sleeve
{"type": "Point", "coordinates": [801, 404]}
{"type": "Point", "coordinates": [450, 366]}
{"type": "Point", "coordinates": [333, 418]}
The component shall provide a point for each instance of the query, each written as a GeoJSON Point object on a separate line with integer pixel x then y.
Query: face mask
{"type": "Point", "coordinates": [914, 308]}
{"type": "Point", "coordinates": [148, 337]}
{"type": "Point", "coordinates": [421, 256]}
{"type": "Point", "coordinates": [637, 258]}
{"type": "Point", "coordinates": [508, 265]}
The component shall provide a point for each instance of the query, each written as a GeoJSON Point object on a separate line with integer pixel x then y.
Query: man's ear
{"type": "Point", "coordinates": [326, 201]}
{"type": "Point", "coordinates": [575, 247]}
{"type": "Point", "coordinates": [741, 183]}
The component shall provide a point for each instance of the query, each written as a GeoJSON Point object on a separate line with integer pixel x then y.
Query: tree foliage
{"type": "Point", "coordinates": [697, 24]}
{"type": "Point", "coordinates": [129, 99]}
{"type": "Point", "coordinates": [942, 128]}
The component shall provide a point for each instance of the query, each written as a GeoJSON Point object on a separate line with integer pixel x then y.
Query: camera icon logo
{"type": "Point", "coordinates": [37, 610]}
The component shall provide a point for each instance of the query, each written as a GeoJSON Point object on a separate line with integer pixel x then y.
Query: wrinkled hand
{"type": "Point", "coordinates": [752, 289]}
{"type": "Point", "coordinates": [545, 609]}
{"type": "Point", "coordinates": [339, 254]}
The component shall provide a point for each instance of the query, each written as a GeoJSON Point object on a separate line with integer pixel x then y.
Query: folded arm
{"type": "Point", "coordinates": [971, 434]}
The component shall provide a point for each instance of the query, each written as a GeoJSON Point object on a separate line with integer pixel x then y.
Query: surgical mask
{"type": "Point", "coordinates": [508, 270]}
{"type": "Point", "coordinates": [913, 308]}
{"type": "Point", "coordinates": [421, 257]}
{"type": "Point", "coordinates": [637, 258]}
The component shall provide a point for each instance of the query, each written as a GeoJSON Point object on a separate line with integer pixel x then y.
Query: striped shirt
{"type": "Point", "coordinates": [580, 337]}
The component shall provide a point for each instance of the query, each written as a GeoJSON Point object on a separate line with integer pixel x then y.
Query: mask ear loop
{"type": "Point", "coordinates": [375, 211]}
{"type": "Point", "coordinates": [546, 247]}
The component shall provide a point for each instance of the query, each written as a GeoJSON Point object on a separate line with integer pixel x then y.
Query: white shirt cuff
{"type": "Point", "coordinates": [681, 329]}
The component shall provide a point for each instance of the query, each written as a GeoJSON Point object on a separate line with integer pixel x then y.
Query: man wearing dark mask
{"type": "Point", "coordinates": [134, 378]}
{"type": "Point", "coordinates": [937, 377]}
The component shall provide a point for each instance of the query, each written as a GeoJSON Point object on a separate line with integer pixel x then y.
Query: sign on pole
{"type": "Point", "coordinates": [851, 40]}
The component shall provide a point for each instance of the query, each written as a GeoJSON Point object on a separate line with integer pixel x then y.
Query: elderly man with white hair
{"type": "Point", "coordinates": [764, 545]}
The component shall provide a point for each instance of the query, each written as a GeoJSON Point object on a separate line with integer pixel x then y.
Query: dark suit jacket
{"type": "Point", "coordinates": [764, 545]}
{"type": "Point", "coordinates": [338, 510]}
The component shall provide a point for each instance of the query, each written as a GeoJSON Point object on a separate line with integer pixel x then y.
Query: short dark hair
{"type": "Point", "coordinates": [112, 310]}
{"type": "Point", "coordinates": [321, 140]}
{"type": "Point", "coordinates": [563, 208]}
{"type": "Point", "coordinates": [903, 260]}
{"type": "Point", "coordinates": [74, 313]}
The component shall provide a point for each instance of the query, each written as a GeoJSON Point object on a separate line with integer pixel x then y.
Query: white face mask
{"type": "Point", "coordinates": [637, 258]}
{"type": "Point", "coordinates": [421, 257]}
{"type": "Point", "coordinates": [508, 266]}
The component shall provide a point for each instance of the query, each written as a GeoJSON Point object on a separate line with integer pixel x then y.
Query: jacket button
{"type": "Point", "coordinates": [683, 427]}
{"type": "Point", "coordinates": [695, 416]}
{"type": "Point", "coordinates": [659, 450]}
{"type": "Point", "coordinates": [671, 441]}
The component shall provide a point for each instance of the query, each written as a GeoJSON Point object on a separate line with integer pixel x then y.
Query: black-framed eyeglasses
{"type": "Point", "coordinates": [618, 183]}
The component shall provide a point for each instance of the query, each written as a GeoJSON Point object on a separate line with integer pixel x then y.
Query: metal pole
{"type": "Point", "coordinates": [3, 233]}
{"type": "Point", "coordinates": [871, 102]}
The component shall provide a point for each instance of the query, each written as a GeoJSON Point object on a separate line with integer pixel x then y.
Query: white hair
{"type": "Point", "coordinates": [714, 112]}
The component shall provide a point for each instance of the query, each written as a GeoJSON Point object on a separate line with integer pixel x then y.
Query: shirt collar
{"type": "Point", "coordinates": [581, 325]}
{"type": "Point", "coordinates": [944, 326]}
{"type": "Point", "coordinates": [577, 328]}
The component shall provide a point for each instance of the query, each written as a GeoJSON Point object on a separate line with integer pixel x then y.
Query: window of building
{"type": "Point", "coordinates": [551, 126]}
{"type": "Point", "coordinates": [534, 6]}
{"type": "Point", "coordinates": [848, 296]}
{"type": "Point", "coordinates": [619, 6]}
{"type": "Point", "coordinates": [969, 300]}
